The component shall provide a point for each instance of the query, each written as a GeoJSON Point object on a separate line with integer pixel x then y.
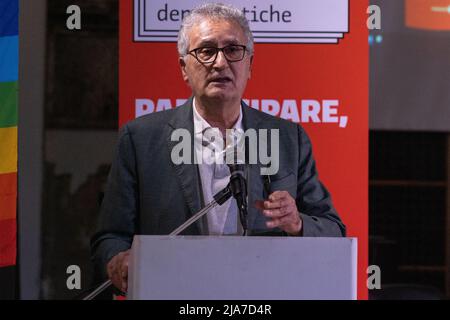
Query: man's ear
{"type": "Point", "coordinates": [183, 69]}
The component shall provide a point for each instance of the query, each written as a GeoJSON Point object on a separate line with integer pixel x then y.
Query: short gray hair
{"type": "Point", "coordinates": [216, 11]}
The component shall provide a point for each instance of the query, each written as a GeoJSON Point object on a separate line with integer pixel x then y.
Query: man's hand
{"type": "Point", "coordinates": [281, 208]}
{"type": "Point", "coordinates": [117, 269]}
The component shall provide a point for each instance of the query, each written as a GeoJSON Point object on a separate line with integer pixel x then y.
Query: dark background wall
{"type": "Point", "coordinates": [32, 34]}
{"type": "Point", "coordinates": [80, 129]}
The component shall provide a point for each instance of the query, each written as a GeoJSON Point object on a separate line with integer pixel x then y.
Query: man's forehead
{"type": "Point", "coordinates": [214, 39]}
{"type": "Point", "coordinates": [214, 31]}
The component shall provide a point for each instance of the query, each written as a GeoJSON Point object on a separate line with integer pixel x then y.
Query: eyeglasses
{"type": "Point", "coordinates": [232, 53]}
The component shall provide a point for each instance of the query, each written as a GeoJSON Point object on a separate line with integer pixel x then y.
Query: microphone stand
{"type": "Point", "coordinates": [218, 199]}
{"type": "Point", "coordinates": [238, 187]}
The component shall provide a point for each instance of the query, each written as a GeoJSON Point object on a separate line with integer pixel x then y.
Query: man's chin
{"type": "Point", "coordinates": [219, 95]}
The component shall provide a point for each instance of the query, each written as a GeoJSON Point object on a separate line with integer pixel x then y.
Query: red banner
{"type": "Point", "coordinates": [322, 85]}
{"type": "Point", "coordinates": [428, 14]}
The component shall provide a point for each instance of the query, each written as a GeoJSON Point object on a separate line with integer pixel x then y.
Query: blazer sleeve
{"type": "Point", "coordinates": [117, 221]}
{"type": "Point", "coordinates": [320, 218]}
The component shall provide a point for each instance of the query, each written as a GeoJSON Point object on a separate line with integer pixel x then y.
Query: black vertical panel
{"type": "Point", "coordinates": [407, 200]}
{"type": "Point", "coordinates": [417, 156]}
{"type": "Point", "coordinates": [8, 283]}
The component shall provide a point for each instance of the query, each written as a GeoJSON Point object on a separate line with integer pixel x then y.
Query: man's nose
{"type": "Point", "coordinates": [221, 62]}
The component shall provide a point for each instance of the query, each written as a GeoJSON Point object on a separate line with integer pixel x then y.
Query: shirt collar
{"type": "Point", "coordinates": [200, 124]}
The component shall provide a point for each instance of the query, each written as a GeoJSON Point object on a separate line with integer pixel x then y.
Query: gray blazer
{"type": "Point", "coordinates": [147, 194]}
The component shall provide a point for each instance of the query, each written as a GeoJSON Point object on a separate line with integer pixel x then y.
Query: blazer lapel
{"type": "Point", "coordinates": [252, 120]}
{"type": "Point", "coordinates": [187, 173]}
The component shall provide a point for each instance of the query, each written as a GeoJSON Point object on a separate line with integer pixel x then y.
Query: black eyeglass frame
{"type": "Point", "coordinates": [193, 53]}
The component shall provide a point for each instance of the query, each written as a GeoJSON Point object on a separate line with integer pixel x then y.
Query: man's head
{"type": "Point", "coordinates": [216, 75]}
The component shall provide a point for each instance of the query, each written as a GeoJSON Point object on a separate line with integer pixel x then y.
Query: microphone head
{"type": "Point", "coordinates": [237, 169]}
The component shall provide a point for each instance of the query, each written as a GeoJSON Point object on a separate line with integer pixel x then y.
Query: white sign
{"type": "Point", "coordinates": [281, 21]}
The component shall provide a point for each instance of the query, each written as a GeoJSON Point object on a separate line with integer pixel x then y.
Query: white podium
{"type": "Point", "coordinates": [242, 268]}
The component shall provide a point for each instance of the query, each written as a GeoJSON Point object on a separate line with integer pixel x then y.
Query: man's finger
{"type": "Point", "coordinates": [259, 204]}
{"type": "Point", "coordinates": [276, 195]}
{"type": "Point", "coordinates": [287, 219]}
{"type": "Point", "coordinates": [117, 280]}
{"type": "Point", "coordinates": [276, 213]}
{"type": "Point", "coordinates": [274, 204]}
{"type": "Point", "coordinates": [124, 286]}
{"type": "Point", "coordinates": [263, 205]}
{"type": "Point", "coordinates": [281, 221]}
{"type": "Point", "coordinates": [273, 223]}
{"type": "Point", "coordinates": [123, 268]}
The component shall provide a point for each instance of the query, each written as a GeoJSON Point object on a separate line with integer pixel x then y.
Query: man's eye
{"type": "Point", "coordinates": [207, 51]}
{"type": "Point", "coordinates": [231, 49]}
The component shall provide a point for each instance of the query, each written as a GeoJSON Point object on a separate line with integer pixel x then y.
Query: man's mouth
{"type": "Point", "coordinates": [220, 79]}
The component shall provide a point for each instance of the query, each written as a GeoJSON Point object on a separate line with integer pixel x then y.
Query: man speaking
{"type": "Point", "coordinates": [148, 193]}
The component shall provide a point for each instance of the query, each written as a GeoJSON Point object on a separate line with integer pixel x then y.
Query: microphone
{"type": "Point", "coordinates": [238, 186]}
{"type": "Point", "coordinates": [235, 155]}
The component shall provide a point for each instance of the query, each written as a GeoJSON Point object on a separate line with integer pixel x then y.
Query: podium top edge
{"type": "Point", "coordinates": [249, 238]}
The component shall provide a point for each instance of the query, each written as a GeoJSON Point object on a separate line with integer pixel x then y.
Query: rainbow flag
{"type": "Point", "coordinates": [9, 56]}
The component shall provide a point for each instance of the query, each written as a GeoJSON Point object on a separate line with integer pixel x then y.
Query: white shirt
{"type": "Point", "coordinates": [215, 175]}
